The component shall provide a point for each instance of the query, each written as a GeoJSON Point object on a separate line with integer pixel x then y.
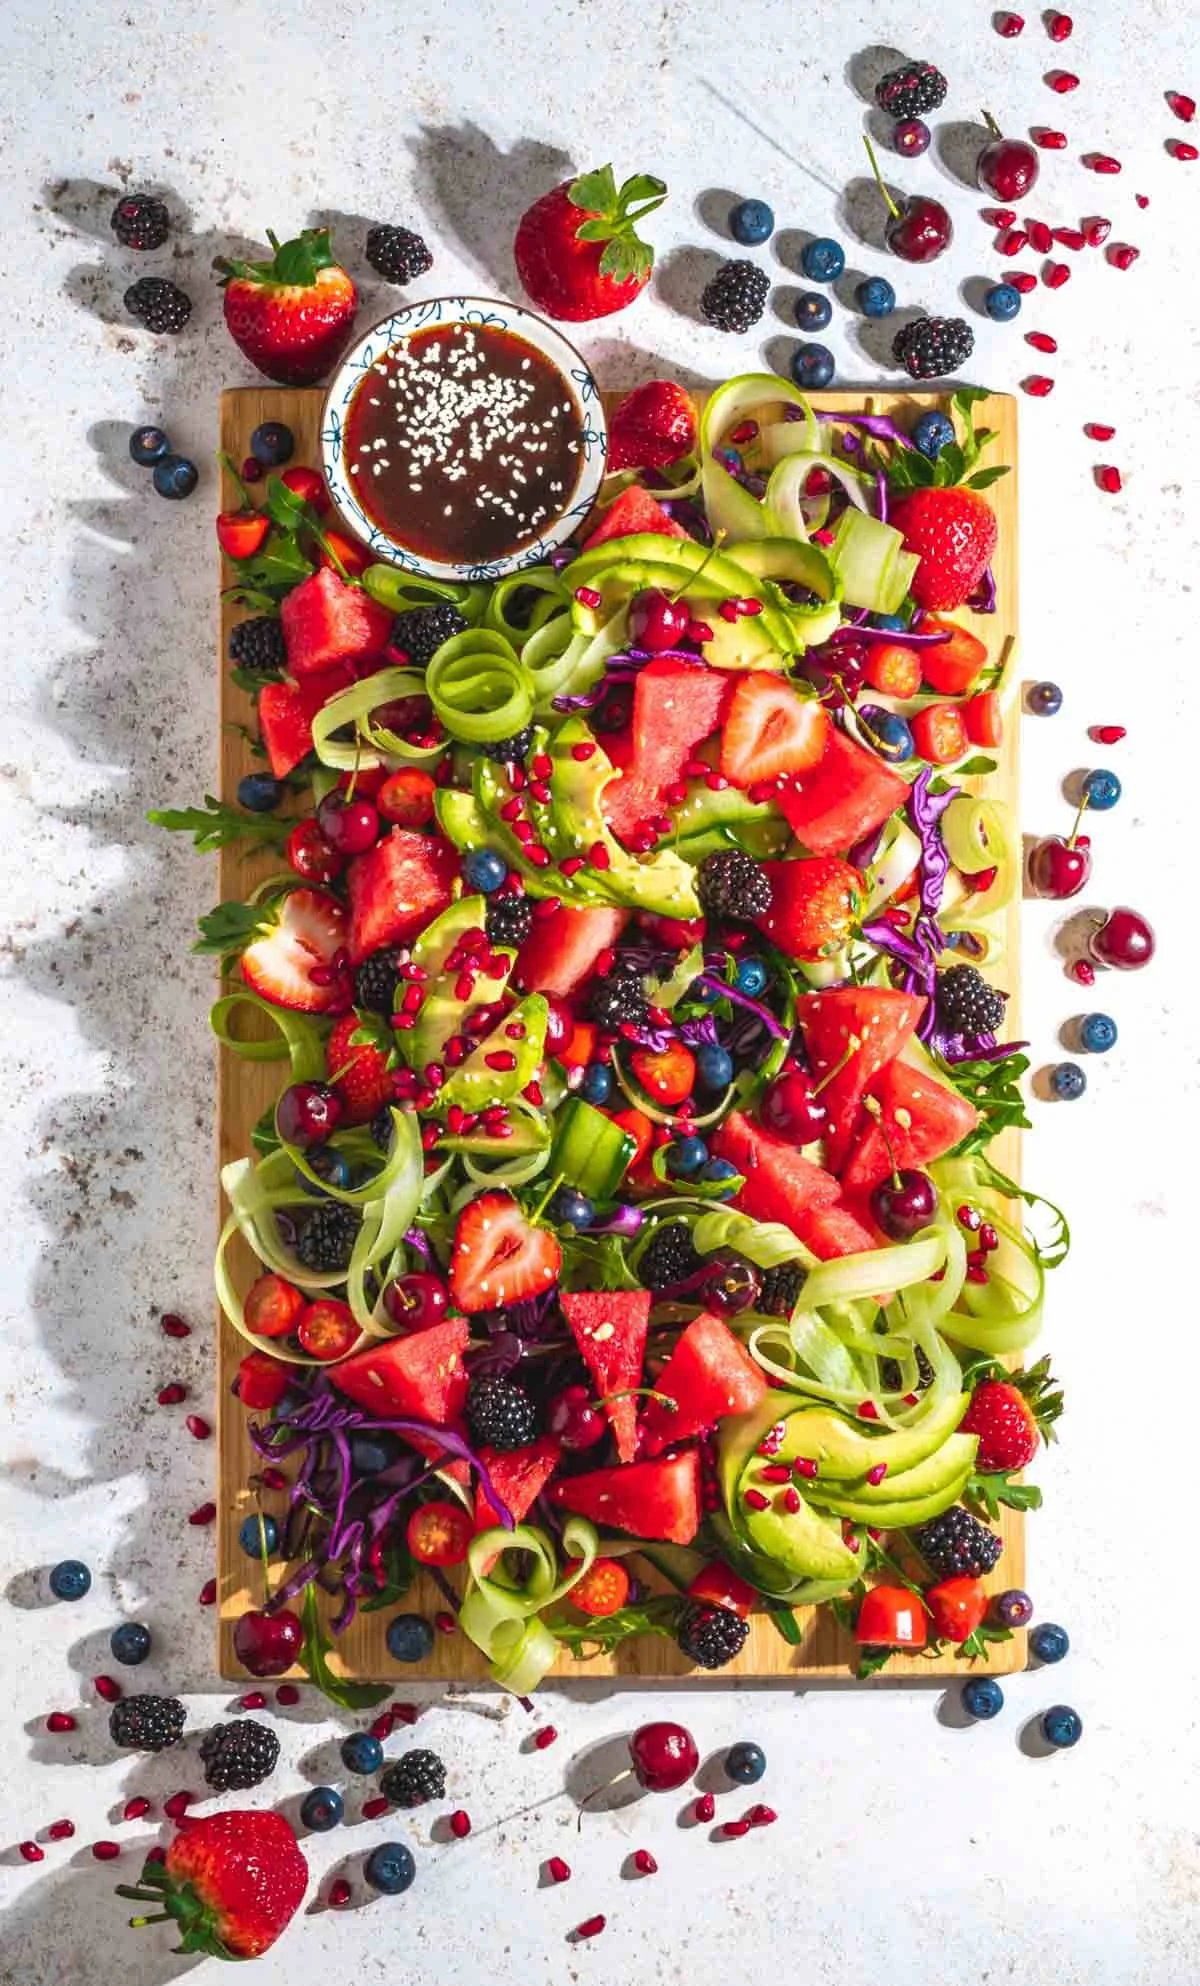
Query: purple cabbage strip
{"type": "Point", "coordinates": [877, 424]}
{"type": "Point", "coordinates": [743, 1000]}
{"type": "Point", "coordinates": [901, 635]}
{"type": "Point", "coordinates": [624, 1220]}
{"type": "Point", "coordinates": [978, 1048]}
{"type": "Point", "coordinates": [983, 599]}
{"type": "Point", "coordinates": [419, 1243]}
{"type": "Point", "coordinates": [881, 495]}
{"type": "Point", "coordinates": [701, 1032]}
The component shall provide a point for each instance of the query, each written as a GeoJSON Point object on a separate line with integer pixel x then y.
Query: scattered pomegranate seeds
{"type": "Point", "coordinates": [253, 1700]}
{"type": "Point", "coordinates": [208, 1593]}
{"type": "Point", "coordinates": [1108, 479]}
{"type": "Point", "coordinates": [156, 1855]}
{"type": "Point", "coordinates": [30, 1852]}
{"type": "Point", "coordinates": [587, 596]}
{"type": "Point", "coordinates": [107, 1687]}
{"type": "Point", "coordinates": [1049, 141]}
{"type": "Point", "coordinates": [734, 1830]}
{"type": "Point", "coordinates": [198, 1427]}
{"type": "Point", "coordinates": [1040, 236]}
{"type": "Point", "coordinates": [176, 1807]}
{"type": "Point", "coordinates": [745, 432]}
{"type": "Point", "coordinates": [1059, 27]}
{"type": "Point", "coordinates": [876, 1475]}
{"type": "Point", "coordinates": [591, 1927]}
{"type": "Point", "coordinates": [1009, 25]}
{"type": "Point", "coordinates": [1055, 274]}
{"type": "Point", "coordinates": [174, 1326]}
{"type": "Point", "coordinates": [792, 1500]}
{"type": "Point", "coordinates": [1096, 230]}
{"type": "Point", "coordinates": [287, 1694]}
{"type": "Point", "coordinates": [1107, 734]}
{"type": "Point", "coordinates": [203, 1513]}
{"type": "Point", "coordinates": [705, 1807]}
{"type": "Point", "coordinates": [59, 1721]}
{"type": "Point", "coordinates": [1013, 242]}
{"type": "Point", "coordinates": [762, 1816]}
{"type": "Point", "coordinates": [170, 1396]}
{"type": "Point", "coordinates": [1102, 162]}
{"type": "Point", "coordinates": [1041, 341]}
{"type": "Point", "coordinates": [558, 1870]}
{"type": "Point", "coordinates": [373, 1808]}
{"type": "Point", "coordinates": [60, 1830]}
{"type": "Point", "coordinates": [644, 1862]}
{"type": "Point", "coordinates": [1083, 972]}
{"type": "Point", "coordinates": [106, 1851]}
{"type": "Point", "coordinates": [1000, 217]}
{"type": "Point", "coordinates": [755, 1500]}
{"type": "Point", "coordinates": [339, 1893]}
{"type": "Point", "coordinates": [1180, 149]}
{"type": "Point", "coordinates": [546, 1736]}
{"type": "Point", "coordinates": [405, 1713]}
{"type": "Point", "coordinates": [135, 1808]}
{"type": "Point", "coordinates": [1183, 107]}
{"type": "Point", "coordinates": [1098, 430]}
{"type": "Point", "coordinates": [273, 1479]}
{"type": "Point", "coordinates": [1022, 280]}
{"type": "Point", "coordinates": [805, 1466]}
{"type": "Point", "coordinates": [1062, 82]}
{"type": "Point", "coordinates": [1122, 255]}
{"type": "Point", "coordinates": [867, 1410]}
{"type": "Point", "coordinates": [460, 1824]}
{"type": "Point", "coordinates": [1072, 238]}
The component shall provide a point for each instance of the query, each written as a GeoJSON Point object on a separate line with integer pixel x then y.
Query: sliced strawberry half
{"type": "Point", "coordinates": [770, 731]}
{"type": "Point", "coordinates": [299, 936]}
{"type": "Point", "coordinates": [498, 1257]}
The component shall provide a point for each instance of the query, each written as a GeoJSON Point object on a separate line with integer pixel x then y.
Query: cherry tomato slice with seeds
{"type": "Point", "coordinates": [983, 719]}
{"type": "Point", "coordinates": [603, 1590]}
{"type": "Point", "coordinates": [440, 1533]}
{"type": "Point", "coordinates": [273, 1307]}
{"type": "Point", "coordinates": [668, 1074]}
{"type": "Point", "coordinates": [939, 733]}
{"type": "Point", "coordinates": [406, 798]}
{"type": "Point", "coordinates": [951, 666]}
{"type": "Point", "coordinates": [327, 1329]}
{"type": "Point", "coordinates": [893, 669]}
{"type": "Point", "coordinates": [891, 1617]}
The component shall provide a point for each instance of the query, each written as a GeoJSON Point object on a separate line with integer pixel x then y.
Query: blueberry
{"type": "Point", "coordinates": [331, 1165]}
{"type": "Point", "coordinates": [130, 1643]}
{"type": "Point", "coordinates": [148, 446]}
{"type": "Point", "coordinates": [982, 1697]}
{"type": "Point", "coordinates": [1097, 1033]}
{"type": "Point", "coordinates": [390, 1868]}
{"type": "Point", "coordinates": [911, 137]}
{"type": "Point", "coordinates": [1068, 1081]}
{"type": "Point", "coordinates": [571, 1208]}
{"type": "Point", "coordinates": [70, 1579]}
{"type": "Point", "coordinates": [484, 870]}
{"type": "Point", "coordinates": [409, 1638]}
{"type": "Point", "coordinates": [1103, 790]}
{"type": "Point", "coordinates": [1048, 1642]}
{"type": "Point", "coordinates": [717, 1171]}
{"type": "Point", "coordinates": [597, 1083]}
{"type": "Point", "coordinates": [1012, 1608]}
{"type": "Point", "coordinates": [361, 1752]}
{"type": "Point", "coordinates": [876, 297]}
{"type": "Point", "coordinates": [886, 733]}
{"type": "Point", "coordinates": [751, 977]}
{"type": "Point", "coordinates": [1045, 699]}
{"type": "Point", "coordinates": [823, 260]}
{"type": "Point", "coordinates": [812, 365]}
{"type": "Point", "coordinates": [813, 311]}
{"type": "Point", "coordinates": [895, 623]}
{"type": "Point", "coordinates": [371, 1454]}
{"type": "Point", "coordinates": [1002, 302]}
{"type": "Point", "coordinates": [272, 444]}
{"type": "Point", "coordinates": [931, 433]}
{"type": "Point", "coordinates": [685, 1155]}
{"type": "Point", "coordinates": [714, 1066]}
{"type": "Point", "coordinates": [1062, 1727]}
{"type": "Point", "coordinates": [260, 792]}
{"type": "Point", "coordinates": [291, 1403]}
{"type": "Point", "coordinates": [745, 1764]}
{"type": "Point", "coordinates": [258, 1533]}
{"type": "Point", "coordinates": [322, 1809]}
{"type": "Point", "coordinates": [175, 476]}
{"type": "Point", "coordinates": [750, 222]}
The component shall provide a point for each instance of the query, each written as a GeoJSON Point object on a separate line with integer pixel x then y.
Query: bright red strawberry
{"type": "Point", "coordinates": [954, 531]}
{"type": "Point", "coordinates": [814, 906]}
{"type": "Point", "coordinates": [576, 250]}
{"type": "Point", "coordinates": [240, 533]}
{"type": "Point", "coordinates": [651, 427]}
{"type": "Point", "coordinates": [298, 937]}
{"type": "Point", "coordinates": [956, 1607]}
{"type": "Point", "coordinates": [1008, 1414]}
{"type": "Point", "coordinates": [769, 730]}
{"type": "Point", "coordinates": [232, 1882]}
{"type": "Point", "coordinates": [290, 316]}
{"type": "Point", "coordinates": [361, 1071]}
{"type": "Point", "coordinates": [498, 1257]}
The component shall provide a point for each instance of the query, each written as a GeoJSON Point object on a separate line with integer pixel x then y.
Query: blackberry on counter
{"type": "Point", "coordinates": [509, 920]}
{"type": "Point", "coordinates": [414, 1778]}
{"type": "Point", "coordinates": [397, 254]}
{"type": "Point", "coordinates": [736, 296]}
{"type": "Point", "coordinates": [912, 91]}
{"type": "Point", "coordinates": [238, 1755]}
{"type": "Point", "coordinates": [500, 1414]}
{"type": "Point", "coordinates": [147, 1723]}
{"type": "Point", "coordinates": [966, 1004]}
{"type": "Point", "coordinates": [258, 644]}
{"type": "Point", "coordinates": [618, 996]}
{"type": "Point", "coordinates": [780, 1288]}
{"type": "Point", "coordinates": [669, 1257]}
{"type": "Point", "coordinates": [932, 346]}
{"type": "Point", "coordinates": [710, 1635]}
{"type": "Point", "coordinates": [375, 982]}
{"type": "Point", "coordinates": [140, 221]}
{"type": "Point", "coordinates": [419, 632]}
{"type": "Point", "coordinates": [730, 884]}
{"type": "Point", "coordinates": [159, 305]}
{"type": "Point", "coordinates": [326, 1241]}
{"type": "Point", "coordinates": [957, 1545]}
{"type": "Point", "coordinates": [506, 750]}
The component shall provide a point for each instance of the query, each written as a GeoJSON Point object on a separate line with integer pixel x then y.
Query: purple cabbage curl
{"type": "Point", "coordinates": [699, 1033]}
{"type": "Point", "coordinates": [983, 599]}
{"type": "Point", "coordinates": [623, 1220]}
{"type": "Point", "coordinates": [880, 425]}
{"type": "Point", "coordinates": [756, 1007]}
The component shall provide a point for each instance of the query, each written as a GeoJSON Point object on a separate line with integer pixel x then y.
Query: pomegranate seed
{"type": "Point", "coordinates": [1102, 162]}
{"type": "Point", "coordinates": [969, 1217]}
{"type": "Point", "coordinates": [599, 856]}
{"type": "Point", "coordinates": [1010, 25]}
{"type": "Point", "coordinates": [107, 1688]}
{"type": "Point", "coordinates": [1072, 238]}
{"type": "Point", "coordinates": [1041, 341]}
{"type": "Point", "coordinates": [502, 1060]}
{"type": "Point", "coordinates": [644, 1862]}
{"type": "Point", "coordinates": [696, 768]}
{"type": "Point", "coordinates": [989, 1240]}
{"type": "Point", "coordinates": [59, 1721]}
{"type": "Point", "coordinates": [583, 752]}
{"type": "Point", "coordinates": [542, 766]}
{"type": "Point", "coordinates": [1096, 231]}
{"type": "Point", "coordinates": [1055, 274]}
{"type": "Point", "coordinates": [544, 1738]}
{"type": "Point", "coordinates": [198, 1427]}
{"type": "Point", "coordinates": [779, 1472]}
{"type": "Point", "coordinates": [1062, 82]}
{"type": "Point", "coordinates": [460, 1824]}
{"type": "Point", "coordinates": [1023, 281]}
{"type": "Point", "coordinates": [1183, 107]}
{"type": "Point", "coordinates": [274, 1479]}
{"type": "Point", "coordinates": [734, 1830]}
{"type": "Point", "coordinates": [591, 1927]}
{"type": "Point", "coordinates": [877, 1474]}
{"type": "Point", "coordinates": [539, 791]}
{"type": "Point", "coordinates": [372, 1809]}
{"type": "Point", "coordinates": [1083, 972]}
{"type": "Point", "coordinates": [558, 1870]}
{"type": "Point", "coordinates": [1142, 199]}
{"type": "Point", "coordinates": [750, 607]}
{"type": "Point", "coordinates": [762, 1816]}
{"type": "Point", "coordinates": [339, 1893]}
{"type": "Point", "coordinates": [867, 1411]}
{"type": "Point", "coordinates": [571, 865]}
{"type": "Point", "coordinates": [203, 1513]}
{"type": "Point", "coordinates": [699, 632]}
{"type": "Point", "coordinates": [806, 1467]}
{"type": "Point", "coordinates": [1059, 26]}
{"type": "Point", "coordinates": [1107, 734]}
{"type": "Point", "coordinates": [745, 432]}
{"type": "Point", "coordinates": [976, 1273]}
{"type": "Point", "coordinates": [208, 1593]}
{"type": "Point", "coordinates": [413, 997]}
{"type": "Point", "coordinates": [524, 831]}
{"type": "Point", "coordinates": [1000, 217]}
{"type": "Point", "coordinates": [1038, 385]}
{"type": "Point", "coordinates": [705, 1807]}
{"type": "Point", "coordinates": [728, 610]}
{"type": "Point", "coordinates": [1180, 149]}
{"type": "Point", "coordinates": [176, 1807]}
{"type": "Point", "coordinates": [60, 1830]}
{"type": "Point", "coordinates": [1050, 141]}
{"type": "Point", "coordinates": [106, 1851]}
{"type": "Point", "coordinates": [1098, 430]}
{"type": "Point", "coordinates": [287, 1694]}
{"type": "Point", "coordinates": [587, 596]}
{"type": "Point", "coordinates": [170, 1396]}
{"type": "Point", "coordinates": [30, 1852]}
{"type": "Point", "coordinates": [1013, 242]}
{"type": "Point", "coordinates": [1122, 255]}
{"type": "Point", "coordinates": [174, 1326]}
{"type": "Point", "coordinates": [446, 1623]}
{"type": "Point", "coordinates": [791, 1499]}
{"type": "Point", "coordinates": [1109, 479]}
{"type": "Point", "coordinates": [135, 1808]}
{"type": "Point", "coordinates": [1040, 236]}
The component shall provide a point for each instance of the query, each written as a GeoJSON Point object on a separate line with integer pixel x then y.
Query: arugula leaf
{"type": "Point", "coordinates": [264, 1136]}
{"type": "Point", "coordinates": [229, 928]}
{"type": "Point", "coordinates": [657, 1615]}
{"type": "Point", "coordinates": [215, 825]}
{"type": "Point", "coordinates": [1060, 1240]}
{"type": "Point", "coordinates": [252, 680]}
{"type": "Point", "coordinates": [992, 1088]}
{"type": "Point", "coordinates": [274, 570]}
{"type": "Point", "coordinates": [784, 1619]}
{"type": "Point", "coordinates": [314, 1651]}
{"type": "Point", "coordinates": [972, 768]}
{"type": "Point", "coordinates": [283, 506]}
{"type": "Point", "coordinates": [258, 603]}
{"type": "Point", "coordinates": [872, 1660]}
{"type": "Point", "coordinates": [975, 1647]}
{"type": "Point", "coordinates": [595, 1262]}
{"type": "Point", "coordinates": [399, 1572]}
{"type": "Point", "coordinates": [984, 478]}
{"type": "Point", "coordinates": [986, 1492]}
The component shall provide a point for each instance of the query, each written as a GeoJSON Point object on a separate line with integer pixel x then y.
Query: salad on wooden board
{"type": "Point", "coordinates": [628, 1246]}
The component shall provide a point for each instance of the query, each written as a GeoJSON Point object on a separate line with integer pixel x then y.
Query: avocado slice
{"type": "Point", "coordinates": [843, 1454]}
{"type": "Point", "coordinates": [904, 1510]}
{"type": "Point", "coordinates": [805, 1542]}
{"type": "Point", "coordinates": [680, 564]}
{"type": "Point", "coordinates": [766, 1573]}
{"type": "Point", "coordinates": [574, 822]}
{"type": "Point", "coordinates": [476, 1082]}
{"type": "Point", "coordinates": [927, 1478]}
{"type": "Point", "coordinates": [441, 1012]}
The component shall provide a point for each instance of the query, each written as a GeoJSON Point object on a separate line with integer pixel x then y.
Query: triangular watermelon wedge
{"type": "Point", "coordinates": [835, 1231]}
{"type": "Point", "coordinates": [634, 511]}
{"type": "Point", "coordinates": [420, 1377]}
{"type": "Point", "coordinates": [781, 1184]}
{"type": "Point", "coordinates": [676, 705]}
{"type": "Point", "coordinates": [846, 795]}
{"type": "Point", "coordinates": [708, 1375]}
{"type": "Point", "coordinates": [609, 1326]}
{"type": "Point", "coordinates": [659, 1499]}
{"type": "Point", "coordinates": [862, 1027]}
{"type": "Point", "coordinates": [519, 1476]}
{"type": "Point", "coordinates": [923, 1118]}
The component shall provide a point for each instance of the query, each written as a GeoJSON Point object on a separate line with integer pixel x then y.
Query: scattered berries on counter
{"type": "Point", "coordinates": [390, 1868]}
{"type": "Point", "coordinates": [709, 1635]}
{"type": "Point", "coordinates": [982, 1697]}
{"type": "Point", "coordinates": [1045, 699]}
{"type": "Point", "coordinates": [500, 1414]}
{"type": "Point", "coordinates": [1102, 790]}
{"type": "Point", "coordinates": [1048, 1642]}
{"type": "Point", "coordinates": [322, 1809]}
{"type": "Point", "coordinates": [751, 222]}
{"type": "Point", "coordinates": [822, 260]}
{"type": "Point", "coordinates": [1097, 1033]}
{"type": "Point", "coordinates": [931, 434]}
{"type": "Point", "coordinates": [419, 632]}
{"type": "Point", "coordinates": [140, 221]}
{"type": "Point", "coordinates": [957, 1544]}
{"type": "Point", "coordinates": [933, 346]}
{"type": "Point", "coordinates": [147, 1723]}
{"type": "Point", "coordinates": [876, 297]}
{"type": "Point", "coordinates": [326, 1240]}
{"type": "Point", "coordinates": [813, 366]}
{"type": "Point", "coordinates": [509, 920]}
{"type": "Point", "coordinates": [912, 91]}
{"type": "Point", "coordinates": [669, 1257]}
{"type": "Point", "coordinates": [238, 1755]}
{"type": "Point", "coordinates": [1068, 1081]}
{"type": "Point", "coordinates": [70, 1579]}
{"type": "Point", "coordinates": [175, 477]}
{"type": "Point", "coordinates": [745, 1764]}
{"type": "Point", "coordinates": [736, 297]}
{"type": "Point", "coordinates": [414, 1778]}
{"type": "Point", "coordinates": [375, 982]}
{"type": "Point", "coordinates": [397, 254]}
{"type": "Point", "coordinates": [911, 137]}
{"type": "Point", "coordinates": [1012, 1608]}
{"type": "Point", "coordinates": [644, 1862]}
{"type": "Point", "coordinates": [148, 446]}
{"type": "Point", "coordinates": [130, 1643]}
{"type": "Point", "coordinates": [258, 645]}
{"type": "Point", "coordinates": [1002, 302]}
{"type": "Point", "coordinates": [966, 1004]}
{"type": "Point", "coordinates": [361, 1753]}
{"type": "Point", "coordinates": [812, 310]}
{"type": "Point", "coordinates": [159, 305]}
{"type": "Point", "coordinates": [1061, 1726]}
{"type": "Point", "coordinates": [730, 884]}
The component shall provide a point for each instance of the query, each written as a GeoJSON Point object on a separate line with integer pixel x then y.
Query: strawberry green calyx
{"type": "Point", "coordinates": [180, 1902]}
{"type": "Point", "coordinates": [296, 264]}
{"type": "Point", "coordinates": [612, 217]}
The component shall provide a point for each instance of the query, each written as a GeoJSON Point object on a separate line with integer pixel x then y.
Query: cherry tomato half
{"type": "Point", "coordinates": [309, 486]}
{"type": "Point", "coordinates": [273, 1306]}
{"type": "Point", "coordinates": [956, 1607]}
{"type": "Point", "coordinates": [668, 1074]}
{"type": "Point", "coordinates": [603, 1589]}
{"type": "Point", "coordinates": [721, 1587]}
{"type": "Point", "coordinates": [939, 733]}
{"type": "Point", "coordinates": [262, 1381]}
{"type": "Point", "coordinates": [406, 798]}
{"type": "Point", "coordinates": [981, 715]}
{"type": "Point", "coordinates": [891, 1617]}
{"type": "Point", "coordinates": [892, 668]}
{"type": "Point", "coordinates": [310, 855]}
{"type": "Point", "coordinates": [440, 1533]}
{"type": "Point", "coordinates": [354, 558]}
{"type": "Point", "coordinates": [580, 1046]}
{"type": "Point", "coordinates": [951, 666]}
{"type": "Point", "coordinates": [327, 1329]}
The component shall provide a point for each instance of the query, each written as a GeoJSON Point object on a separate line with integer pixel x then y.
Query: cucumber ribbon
{"type": "Point", "coordinates": [295, 1036]}
{"type": "Point", "coordinates": [500, 1610]}
{"type": "Point", "coordinates": [479, 688]}
{"type": "Point", "coordinates": [373, 744]}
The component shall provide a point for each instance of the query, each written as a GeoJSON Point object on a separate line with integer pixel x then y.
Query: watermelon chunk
{"type": "Point", "coordinates": [635, 510]}
{"type": "Point", "coordinates": [781, 1184]}
{"type": "Point", "coordinates": [709, 1374]}
{"type": "Point", "coordinates": [881, 1022]}
{"type": "Point", "coordinates": [519, 1476]}
{"type": "Point", "coordinates": [396, 888]}
{"type": "Point", "coordinates": [560, 951]}
{"type": "Point", "coordinates": [675, 706]}
{"type": "Point", "coordinates": [846, 795]}
{"type": "Point", "coordinates": [610, 1329]}
{"type": "Point", "coordinates": [923, 1118]}
{"type": "Point", "coordinates": [420, 1377]}
{"type": "Point", "coordinates": [286, 712]}
{"type": "Point", "coordinates": [834, 1231]}
{"type": "Point", "coordinates": [659, 1499]}
{"type": "Point", "coordinates": [326, 622]}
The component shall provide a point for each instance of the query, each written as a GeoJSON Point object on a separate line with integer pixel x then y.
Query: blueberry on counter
{"type": "Point", "coordinates": [751, 222]}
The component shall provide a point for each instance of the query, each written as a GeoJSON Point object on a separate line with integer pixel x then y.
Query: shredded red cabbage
{"type": "Point", "coordinates": [881, 495]}
{"type": "Point", "coordinates": [879, 425]}
{"type": "Point", "coordinates": [764, 1014]}
{"type": "Point", "coordinates": [904, 636]}
{"type": "Point", "coordinates": [623, 1220]}
{"type": "Point", "coordinates": [983, 599]}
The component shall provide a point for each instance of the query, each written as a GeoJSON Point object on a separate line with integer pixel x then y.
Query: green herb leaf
{"type": "Point", "coordinates": [600, 1636]}
{"type": "Point", "coordinates": [595, 1262]}
{"type": "Point", "coordinates": [975, 1647]}
{"type": "Point", "coordinates": [950, 464]}
{"type": "Point", "coordinates": [993, 1088]}
{"type": "Point", "coordinates": [984, 478]}
{"type": "Point", "coordinates": [229, 928]}
{"type": "Point", "coordinates": [252, 680]}
{"type": "Point", "coordinates": [783, 1618]}
{"type": "Point", "coordinates": [273, 571]}
{"type": "Point", "coordinates": [283, 506]}
{"type": "Point", "coordinates": [258, 603]}
{"type": "Point", "coordinates": [314, 1652]}
{"type": "Point", "coordinates": [872, 1660]}
{"type": "Point", "coordinates": [264, 1136]}
{"type": "Point", "coordinates": [1056, 1250]}
{"type": "Point", "coordinates": [399, 1571]}
{"type": "Point", "coordinates": [215, 825]}
{"type": "Point", "coordinates": [985, 1492]}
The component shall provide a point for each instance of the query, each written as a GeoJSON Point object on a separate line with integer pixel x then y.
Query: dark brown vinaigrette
{"type": "Point", "coordinates": [463, 443]}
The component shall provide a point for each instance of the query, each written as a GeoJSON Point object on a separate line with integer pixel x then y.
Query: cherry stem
{"type": "Point", "coordinates": [874, 1109]}
{"type": "Point", "coordinates": [892, 208]}
{"type": "Point", "coordinates": [640, 1393]}
{"type": "Point", "coordinates": [358, 745]}
{"type": "Point", "coordinates": [691, 577]}
{"type": "Point", "coordinates": [1083, 807]}
{"type": "Point", "coordinates": [596, 1792]}
{"type": "Point", "coordinates": [851, 1049]}
{"type": "Point", "coordinates": [546, 1198]}
{"type": "Point", "coordinates": [993, 128]}
{"type": "Point", "coordinates": [159, 1917]}
{"type": "Point", "coordinates": [264, 1556]}
{"type": "Point", "coordinates": [226, 463]}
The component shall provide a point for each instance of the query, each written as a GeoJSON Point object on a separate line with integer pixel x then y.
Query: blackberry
{"type": "Point", "coordinates": [932, 346]}
{"type": "Point", "coordinates": [381, 1128]}
{"type": "Point", "coordinates": [506, 750]}
{"type": "Point", "coordinates": [397, 254]}
{"type": "Point", "coordinates": [736, 296]}
{"type": "Point", "coordinates": [669, 1257]}
{"type": "Point", "coordinates": [500, 1414]}
{"type": "Point", "coordinates": [375, 982]}
{"type": "Point", "coordinates": [414, 1778]}
{"type": "Point", "coordinates": [258, 644]}
{"type": "Point", "coordinates": [730, 884]}
{"type": "Point", "coordinates": [889, 1372]}
{"type": "Point", "coordinates": [780, 1288]}
{"type": "Point", "coordinates": [618, 996]}
{"type": "Point", "coordinates": [911, 91]}
{"type": "Point", "coordinates": [238, 1755]}
{"type": "Point", "coordinates": [712, 1636]}
{"type": "Point", "coordinates": [966, 1004]}
{"type": "Point", "coordinates": [161, 306]}
{"type": "Point", "coordinates": [419, 632]}
{"type": "Point", "coordinates": [957, 1545]}
{"type": "Point", "coordinates": [326, 1241]}
{"type": "Point", "coordinates": [147, 1723]}
{"type": "Point", "coordinates": [140, 221]}
{"type": "Point", "coordinates": [509, 920]}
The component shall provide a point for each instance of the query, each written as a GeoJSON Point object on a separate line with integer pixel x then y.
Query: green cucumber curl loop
{"type": "Point", "coordinates": [500, 1610]}
{"type": "Point", "coordinates": [543, 580]}
{"type": "Point", "coordinates": [479, 689]}
{"type": "Point", "coordinates": [392, 586]}
{"type": "Point", "coordinates": [296, 1037]}
{"type": "Point", "coordinates": [373, 744]}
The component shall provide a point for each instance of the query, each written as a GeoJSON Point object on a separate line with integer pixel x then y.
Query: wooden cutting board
{"type": "Point", "coordinates": [244, 1090]}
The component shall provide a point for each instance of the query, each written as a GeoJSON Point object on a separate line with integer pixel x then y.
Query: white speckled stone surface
{"type": "Point", "coordinates": [907, 1845]}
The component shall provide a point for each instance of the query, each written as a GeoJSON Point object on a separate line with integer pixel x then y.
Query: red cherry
{"type": "Point", "coordinates": [560, 1024]}
{"type": "Point", "coordinates": [656, 621]}
{"type": "Point", "coordinates": [349, 826]}
{"type": "Point", "coordinates": [836, 669]}
{"type": "Point", "coordinates": [791, 1108]}
{"type": "Point", "coordinates": [267, 1644]}
{"type": "Point", "coordinates": [1124, 940]}
{"type": "Point", "coordinates": [1058, 867]}
{"type": "Point", "coordinates": [573, 1419]}
{"type": "Point", "coordinates": [308, 1113]}
{"type": "Point", "coordinates": [1007, 168]}
{"type": "Point", "coordinates": [921, 231]}
{"type": "Point", "coordinates": [664, 1756]}
{"type": "Point", "coordinates": [903, 1203]}
{"type": "Point", "coordinates": [310, 855]}
{"type": "Point", "coordinates": [416, 1300]}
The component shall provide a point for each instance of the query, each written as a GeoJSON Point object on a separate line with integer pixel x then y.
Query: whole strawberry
{"type": "Point", "coordinates": [651, 427]}
{"type": "Point", "coordinates": [361, 1070]}
{"type": "Point", "coordinates": [954, 530]}
{"type": "Point", "coordinates": [815, 904]}
{"type": "Point", "coordinates": [293, 315]}
{"type": "Point", "coordinates": [577, 250]}
{"type": "Point", "coordinates": [232, 1882]}
{"type": "Point", "coordinates": [1010, 1414]}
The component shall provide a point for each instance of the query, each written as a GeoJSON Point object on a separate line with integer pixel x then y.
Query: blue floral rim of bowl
{"type": "Point", "coordinates": [490, 312]}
